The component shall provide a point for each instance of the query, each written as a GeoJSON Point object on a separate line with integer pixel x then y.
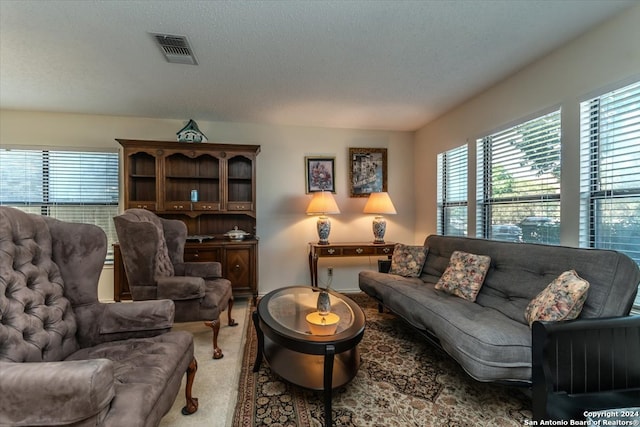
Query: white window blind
{"type": "Point", "coordinates": [610, 172]}
{"type": "Point", "coordinates": [69, 185]}
{"type": "Point", "coordinates": [518, 182]}
{"type": "Point", "coordinates": [452, 192]}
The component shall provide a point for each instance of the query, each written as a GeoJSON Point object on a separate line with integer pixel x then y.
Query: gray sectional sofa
{"type": "Point", "coordinates": [490, 338]}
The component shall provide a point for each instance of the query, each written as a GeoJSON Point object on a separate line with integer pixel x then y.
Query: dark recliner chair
{"type": "Point", "coordinates": [153, 254]}
{"type": "Point", "coordinates": [66, 358]}
{"type": "Point", "coordinates": [585, 365]}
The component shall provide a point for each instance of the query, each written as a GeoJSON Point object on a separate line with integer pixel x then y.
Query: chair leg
{"type": "Point", "coordinates": [215, 325]}
{"type": "Point", "coordinates": [232, 322]}
{"type": "Point", "coordinates": [192, 402]}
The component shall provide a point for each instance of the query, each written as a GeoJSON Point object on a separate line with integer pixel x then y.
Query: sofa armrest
{"type": "Point", "coordinates": [209, 270]}
{"type": "Point", "coordinates": [55, 393]}
{"type": "Point", "coordinates": [180, 287]}
{"type": "Point", "coordinates": [582, 356]}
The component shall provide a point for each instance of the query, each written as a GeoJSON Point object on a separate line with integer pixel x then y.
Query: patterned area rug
{"type": "Point", "coordinates": [402, 381]}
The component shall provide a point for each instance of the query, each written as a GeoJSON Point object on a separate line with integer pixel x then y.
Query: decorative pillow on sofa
{"type": "Point", "coordinates": [562, 299]}
{"type": "Point", "coordinates": [407, 261]}
{"type": "Point", "coordinates": [464, 275]}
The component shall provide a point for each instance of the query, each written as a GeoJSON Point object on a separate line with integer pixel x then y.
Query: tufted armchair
{"type": "Point", "coordinates": [153, 254]}
{"type": "Point", "coordinates": [66, 358]}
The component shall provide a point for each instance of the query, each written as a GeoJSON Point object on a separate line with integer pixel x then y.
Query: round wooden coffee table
{"type": "Point", "coordinates": [316, 362]}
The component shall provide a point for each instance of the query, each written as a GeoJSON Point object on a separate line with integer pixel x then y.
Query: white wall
{"type": "Point", "coordinates": [601, 59]}
{"type": "Point", "coordinates": [282, 225]}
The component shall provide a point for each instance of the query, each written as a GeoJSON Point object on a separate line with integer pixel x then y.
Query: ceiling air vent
{"type": "Point", "coordinates": [175, 49]}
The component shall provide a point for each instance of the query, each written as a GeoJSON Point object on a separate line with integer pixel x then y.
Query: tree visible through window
{"type": "Point", "coordinates": [69, 185]}
{"type": "Point", "coordinates": [518, 182]}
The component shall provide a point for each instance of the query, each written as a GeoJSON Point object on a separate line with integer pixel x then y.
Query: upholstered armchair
{"type": "Point", "coordinates": [66, 358]}
{"type": "Point", "coordinates": [153, 254]}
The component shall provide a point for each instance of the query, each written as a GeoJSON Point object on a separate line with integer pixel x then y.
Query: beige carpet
{"type": "Point", "coordinates": [403, 381]}
{"type": "Point", "coordinates": [216, 382]}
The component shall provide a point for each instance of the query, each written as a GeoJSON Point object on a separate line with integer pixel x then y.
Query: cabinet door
{"type": "Point", "coordinates": [192, 181]}
{"type": "Point", "coordinates": [141, 180]}
{"type": "Point", "coordinates": [240, 183]}
{"type": "Point", "coordinates": [239, 268]}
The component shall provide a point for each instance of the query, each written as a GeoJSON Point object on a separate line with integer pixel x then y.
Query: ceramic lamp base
{"type": "Point", "coordinates": [379, 228]}
{"type": "Point", "coordinates": [324, 303]}
{"type": "Point", "coordinates": [324, 227]}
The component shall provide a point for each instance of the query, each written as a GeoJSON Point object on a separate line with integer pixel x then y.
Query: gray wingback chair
{"type": "Point", "coordinates": [66, 358]}
{"type": "Point", "coordinates": [153, 254]}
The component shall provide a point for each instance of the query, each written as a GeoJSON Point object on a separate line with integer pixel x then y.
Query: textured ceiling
{"type": "Point", "coordinates": [354, 64]}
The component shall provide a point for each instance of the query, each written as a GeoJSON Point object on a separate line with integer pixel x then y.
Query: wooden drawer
{"type": "Point", "coordinates": [239, 206]}
{"type": "Point", "coordinates": [194, 254]}
{"type": "Point", "coordinates": [358, 251]}
{"type": "Point", "coordinates": [384, 250]}
{"type": "Point", "coordinates": [141, 205]}
{"type": "Point", "coordinates": [206, 206]}
{"type": "Point", "coordinates": [177, 206]}
{"type": "Point", "coordinates": [329, 251]}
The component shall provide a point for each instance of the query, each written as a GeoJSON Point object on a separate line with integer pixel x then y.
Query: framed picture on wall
{"type": "Point", "coordinates": [367, 171]}
{"type": "Point", "coordinates": [320, 174]}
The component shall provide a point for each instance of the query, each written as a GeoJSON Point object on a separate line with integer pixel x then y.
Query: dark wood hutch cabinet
{"type": "Point", "coordinates": [160, 176]}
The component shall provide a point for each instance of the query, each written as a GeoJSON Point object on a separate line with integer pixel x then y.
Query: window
{"type": "Point", "coordinates": [68, 185]}
{"type": "Point", "coordinates": [452, 192]}
{"type": "Point", "coordinates": [518, 182]}
{"type": "Point", "coordinates": [610, 171]}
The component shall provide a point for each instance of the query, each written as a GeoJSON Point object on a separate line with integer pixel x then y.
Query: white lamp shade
{"type": "Point", "coordinates": [379, 203]}
{"type": "Point", "coordinates": [322, 203]}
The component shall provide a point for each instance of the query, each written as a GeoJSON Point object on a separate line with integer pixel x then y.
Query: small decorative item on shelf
{"type": "Point", "coordinates": [236, 234]}
{"type": "Point", "coordinates": [191, 133]}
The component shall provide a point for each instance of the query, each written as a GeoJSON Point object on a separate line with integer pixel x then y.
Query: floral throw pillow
{"type": "Point", "coordinates": [562, 299]}
{"type": "Point", "coordinates": [407, 260]}
{"type": "Point", "coordinates": [464, 275]}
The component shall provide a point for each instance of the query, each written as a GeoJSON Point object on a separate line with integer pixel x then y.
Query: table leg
{"type": "Point", "coordinates": [330, 352]}
{"type": "Point", "coordinates": [313, 267]}
{"type": "Point", "coordinates": [260, 334]}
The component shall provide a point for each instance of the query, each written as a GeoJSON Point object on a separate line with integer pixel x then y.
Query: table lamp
{"type": "Point", "coordinates": [322, 204]}
{"type": "Point", "coordinates": [379, 204]}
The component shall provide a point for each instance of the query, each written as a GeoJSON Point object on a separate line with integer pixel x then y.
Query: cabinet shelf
{"type": "Point", "coordinates": [160, 175]}
{"type": "Point", "coordinates": [193, 177]}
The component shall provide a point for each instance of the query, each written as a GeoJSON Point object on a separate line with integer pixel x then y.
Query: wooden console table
{"type": "Point", "coordinates": [345, 250]}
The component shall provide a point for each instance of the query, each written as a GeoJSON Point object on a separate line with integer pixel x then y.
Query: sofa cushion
{"type": "Point", "coordinates": [561, 300]}
{"type": "Point", "coordinates": [407, 260]}
{"type": "Point", "coordinates": [464, 275]}
{"type": "Point", "coordinates": [488, 345]}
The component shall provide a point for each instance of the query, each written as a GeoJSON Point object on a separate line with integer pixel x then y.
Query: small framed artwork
{"type": "Point", "coordinates": [367, 171]}
{"type": "Point", "coordinates": [320, 174]}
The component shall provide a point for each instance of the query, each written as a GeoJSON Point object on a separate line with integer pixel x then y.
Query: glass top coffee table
{"type": "Point", "coordinates": [309, 355]}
